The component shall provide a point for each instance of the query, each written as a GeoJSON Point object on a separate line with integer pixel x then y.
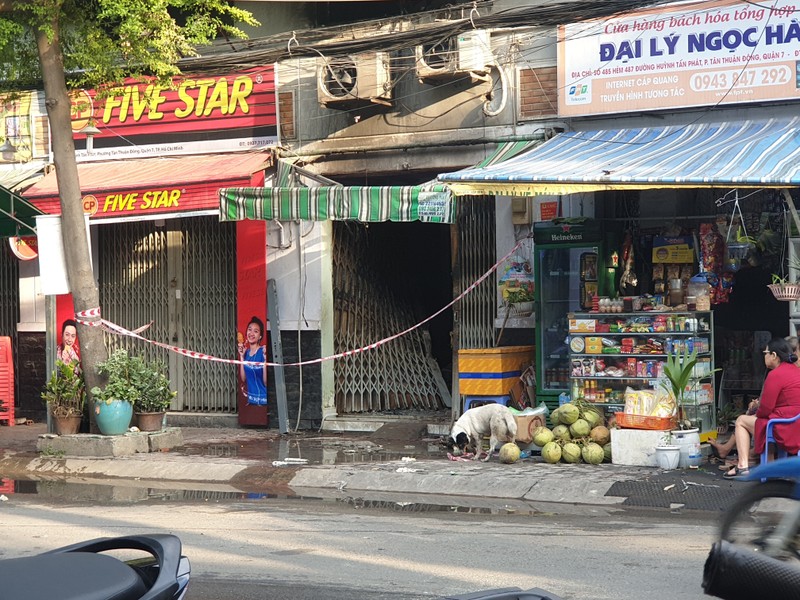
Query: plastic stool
{"type": "Point", "coordinates": [469, 401]}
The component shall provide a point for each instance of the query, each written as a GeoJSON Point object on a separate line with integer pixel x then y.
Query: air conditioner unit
{"type": "Point", "coordinates": [468, 52]}
{"type": "Point", "coordinates": [356, 80]}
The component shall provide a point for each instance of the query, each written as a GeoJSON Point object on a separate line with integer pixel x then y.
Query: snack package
{"type": "Point", "coordinates": [665, 405]}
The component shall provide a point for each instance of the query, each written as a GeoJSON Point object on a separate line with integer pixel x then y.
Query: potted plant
{"type": "Point", "coordinates": [678, 371]}
{"type": "Point", "coordinates": [668, 453]}
{"type": "Point", "coordinates": [65, 396]}
{"type": "Point", "coordinates": [132, 383]}
{"type": "Point", "coordinates": [154, 398]}
{"type": "Point", "coordinates": [726, 415]}
{"type": "Point", "coordinates": [518, 301]}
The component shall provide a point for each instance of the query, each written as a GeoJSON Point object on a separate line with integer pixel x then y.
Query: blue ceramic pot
{"type": "Point", "coordinates": [113, 417]}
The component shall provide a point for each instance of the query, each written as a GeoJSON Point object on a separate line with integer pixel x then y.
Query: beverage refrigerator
{"type": "Point", "coordinates": [570, 269]}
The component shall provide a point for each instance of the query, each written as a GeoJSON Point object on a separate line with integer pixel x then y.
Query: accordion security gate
{"type": "Point", "coordinates": [180, 276]}
{"type": "Point", "coordinates": [399, 375]}
{"type": "Point", "coordinates": [402, 375]}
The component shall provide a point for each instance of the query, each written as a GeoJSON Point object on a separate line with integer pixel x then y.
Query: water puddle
{"type": "Point", "coordinates": [107, 493]}
{"type": "Point", "coordinates": [316, 450]}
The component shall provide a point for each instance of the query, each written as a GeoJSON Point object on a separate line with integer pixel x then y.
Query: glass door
{"type": "Point", "coordinates": [561, 285]}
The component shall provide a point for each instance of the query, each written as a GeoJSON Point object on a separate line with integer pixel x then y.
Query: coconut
{"type": "Point", "coordinates": [579, 429]}
{"type": "Point", "coordinates": [568, 413]}
{"type": "Point", "coordinates": [592, 453]}
{"type": "Point", "coordinates": [600, 435]}
{"type": "Point", "coordinates": [554, 418]}
{"type": "Point", "coordinates": [561, 432]}
{"type": "Point", "coordinates": [592, 417]}
{"type": "Point", "coordinates": [551, 452]}
{"type": "Point", "coordinates": [542, 436]}
{"type": "Point", "coordinates": [509, 453]}
{"type": "Point", "coordinates": [607, 452]}
{"type": "Point", "coordinates": [571, 452]}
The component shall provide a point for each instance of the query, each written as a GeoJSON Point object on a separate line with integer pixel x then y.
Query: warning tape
{"type": "Point", "coordinates": [93, 318]}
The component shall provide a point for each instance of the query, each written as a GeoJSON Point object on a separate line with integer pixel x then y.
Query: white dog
{"type": "Point", "coordinates": [494, 420]}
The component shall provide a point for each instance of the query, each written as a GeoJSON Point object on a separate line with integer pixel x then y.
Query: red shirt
{"type": "Point", "coordinates": [780, 398]}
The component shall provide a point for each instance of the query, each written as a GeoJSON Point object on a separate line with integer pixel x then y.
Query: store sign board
{"type": "Point", "coordinates": [237, 104]}
{"type": "Point", "coordinates": [678, 249]}
{"type": "Point", "coordinates": [142, 202]}
{"type": "Point", "coordinates": [680, 55]}
{"type": "Point", "coordinates": [555, 232]}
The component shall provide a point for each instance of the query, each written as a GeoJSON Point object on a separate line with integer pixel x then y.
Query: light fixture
{"type": "Point", "coordinates": [89, 130]}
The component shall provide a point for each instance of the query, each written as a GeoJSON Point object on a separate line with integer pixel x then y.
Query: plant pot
{"type": "Point", "coordinates": [113, 417]}
{"type": "Point", "coordinates": [668, 457]}
{"type": "Point", "coordinates": [67, 425]}
{"type": "Point", "coordinates": [688, 440]}
{"type": "Point", "coordinates": [785, 291]}
{"type": "Point", "coordinates": [150, 421]}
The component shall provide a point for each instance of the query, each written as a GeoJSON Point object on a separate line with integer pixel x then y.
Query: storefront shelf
{"type": "Point", "coordinates": [625, 355]}
{"type": "Point", "coordinates": [698, 403]}
{"type": "Point", "coordinates": [704, 334]}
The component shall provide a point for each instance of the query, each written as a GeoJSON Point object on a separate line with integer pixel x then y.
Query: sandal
{"type": "Point", "coordinates": [737, 473]}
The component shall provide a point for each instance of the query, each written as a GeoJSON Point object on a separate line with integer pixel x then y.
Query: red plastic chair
{"type": "Point", "coordinates": [781, 453]}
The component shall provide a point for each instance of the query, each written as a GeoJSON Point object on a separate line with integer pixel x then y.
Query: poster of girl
{"type": "Point", "coordinates": [253, 371]}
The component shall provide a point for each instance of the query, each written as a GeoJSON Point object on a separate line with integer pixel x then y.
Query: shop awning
{"type": "Point", "coordinates": [757, 153]}
{"type": "Point", "coordinates": [150, 186]}
{"type": "Point", "coordinates": [16, 214]}
{"type": "Point", "coordinates": [430, 202]}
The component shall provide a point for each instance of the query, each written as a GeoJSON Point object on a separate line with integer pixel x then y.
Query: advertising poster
{"type": "Point", "coordinates": [680, 55]}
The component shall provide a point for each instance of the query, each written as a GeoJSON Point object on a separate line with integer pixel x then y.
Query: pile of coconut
{"type": "Point", "coordinates": [578, 435]}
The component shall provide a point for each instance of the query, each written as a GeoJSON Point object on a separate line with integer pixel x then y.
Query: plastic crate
{"type": "Point", "coordinates": [630, 421]}
{"type": "Point", "coordinates": [475, 401]}
{"type": "Point", "coordinates": [492, 371]}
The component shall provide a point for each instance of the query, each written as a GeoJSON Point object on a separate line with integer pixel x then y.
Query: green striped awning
{"type": "Point", "coordinates": [430, 203]}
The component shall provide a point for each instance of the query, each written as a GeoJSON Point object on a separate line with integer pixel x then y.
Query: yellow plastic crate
{"type": "Point", "coordinates": [492, 371]}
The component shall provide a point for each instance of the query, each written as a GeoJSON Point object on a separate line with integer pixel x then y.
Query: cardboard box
{"type": "Point", "coordinates": [526, 425]}
{"type": "Point", "coordinates": [594, 345]}
{"type": "Point", "coordinates": [582, 325]}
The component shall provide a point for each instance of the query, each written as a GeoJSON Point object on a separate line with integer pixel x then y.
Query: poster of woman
{"type": "Point", "coordinates": [253, 371]}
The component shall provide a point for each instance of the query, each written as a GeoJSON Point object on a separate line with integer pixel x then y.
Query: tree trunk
{"type": "Point", "coordinates": [85, 293]}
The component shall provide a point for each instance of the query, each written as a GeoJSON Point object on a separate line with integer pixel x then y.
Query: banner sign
{"type": "Point", "coordinates": [238, 106]}
{"type": "Point", "coordinates": [680, 55]}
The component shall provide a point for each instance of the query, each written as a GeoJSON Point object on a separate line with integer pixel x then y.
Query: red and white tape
{"type": "Point", "coordinates": [92, 317]}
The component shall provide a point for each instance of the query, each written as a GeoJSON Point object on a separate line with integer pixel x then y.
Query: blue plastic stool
{"type": "Point", "coordinates": [481, 400]}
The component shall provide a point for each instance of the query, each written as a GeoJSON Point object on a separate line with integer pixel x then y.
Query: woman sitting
{"type": "Point", "coordinates": [780, 398]}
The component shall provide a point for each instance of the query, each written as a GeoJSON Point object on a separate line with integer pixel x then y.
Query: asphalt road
{"type": "Point", "coordinates": [271, 548]}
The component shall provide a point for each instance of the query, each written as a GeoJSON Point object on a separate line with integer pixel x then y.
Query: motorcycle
{"type": "Point", "coordinates": [82, 571]}
{"type": "Point", "coordinates": [758, 551]}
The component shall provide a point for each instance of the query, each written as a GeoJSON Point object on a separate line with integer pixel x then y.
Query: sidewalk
{"type": "Point", "coordinates": [348, 465]}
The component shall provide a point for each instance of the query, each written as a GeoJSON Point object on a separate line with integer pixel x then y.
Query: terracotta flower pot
{"type": "Point", "coordinates": [67, 425]}
{"type": "Point", "coordinates": [149, 421]}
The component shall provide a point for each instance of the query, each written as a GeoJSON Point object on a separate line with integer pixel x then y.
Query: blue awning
{"type": "Point", "coordinates": [753, 153]}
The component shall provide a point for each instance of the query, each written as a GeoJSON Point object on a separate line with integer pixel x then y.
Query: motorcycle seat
{"type": "Point", "coordinates": [69, 576]}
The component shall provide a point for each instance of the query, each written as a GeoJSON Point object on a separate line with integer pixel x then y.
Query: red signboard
{"type": "Point", "coordinates": [147, 186]}
{"type": "Point", "coordinates": [243, 100]}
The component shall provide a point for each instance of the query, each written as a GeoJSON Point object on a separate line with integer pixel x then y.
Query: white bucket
{"type": "Point", "coordinates": [668, 457]}
{"type": "Point", "coordinates": [689, 442]}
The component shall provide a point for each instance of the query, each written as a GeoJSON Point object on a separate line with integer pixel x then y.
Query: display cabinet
{"type": "Point", "coordinates": [612, 352]}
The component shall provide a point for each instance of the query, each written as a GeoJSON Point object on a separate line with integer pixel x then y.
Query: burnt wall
{"type": "Point", "coordinates": [311, 408]}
